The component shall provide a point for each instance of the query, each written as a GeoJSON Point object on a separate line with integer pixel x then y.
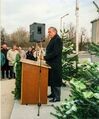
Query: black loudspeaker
{"type": "Point", "coordinates": [37, 32]}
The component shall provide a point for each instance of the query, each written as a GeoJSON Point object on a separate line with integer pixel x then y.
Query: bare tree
{"type": "Point", "coordinates": [83, 39]}
{"type": "Point", "coordinates": [5, 38]}
{"type": "Point", "coordinates": [72, 31]}
{"type": "Point", "coordinates": [2, 35]}
{"type": "Point", "coordinates": [20, 37]}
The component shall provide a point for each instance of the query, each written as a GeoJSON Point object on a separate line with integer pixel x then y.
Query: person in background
{"type": "Point", "coordinates": [53, 58]}
{"type": "Point", "coordinates": [33, 52]}
{"type": "Point", "coordinates": [22, 53]}
{"type": "Point", "coordinates": [39, 53]}
{"type": "Point", "coordinates": [5, 67]}
{"type": "Point", "coordinates": [42, 53]}
{"type": "Point", "coordinates": [2, 59]}
{"type": "Point", "coordinates": [29, 54]}
{"type": "Point", "coordinates": [11, 55]}
{"type": "Point", "coordinates": [2, 62]}
{"type": "Point", "coordinates": [36, 52]}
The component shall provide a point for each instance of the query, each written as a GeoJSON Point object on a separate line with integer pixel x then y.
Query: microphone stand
{"type": "Point", "coordinates": [39, 85]}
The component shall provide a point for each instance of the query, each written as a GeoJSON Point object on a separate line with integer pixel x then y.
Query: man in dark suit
{"type": "Point", "coordinates": [5, 67]}
{"type": "Point", "coordinates": [53, 58]}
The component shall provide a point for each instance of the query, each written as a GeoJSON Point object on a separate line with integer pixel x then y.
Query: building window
{"type": "Point", "coordinates": [39, 30]}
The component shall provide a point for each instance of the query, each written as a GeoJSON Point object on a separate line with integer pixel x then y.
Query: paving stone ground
{"type": "Point", "coordinates": [7, 99]}
{"type": "Point", "coordinates": [12, 109]}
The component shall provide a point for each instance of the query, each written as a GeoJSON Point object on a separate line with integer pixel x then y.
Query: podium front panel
{"type": "Point", "coordinates": [34, 84]}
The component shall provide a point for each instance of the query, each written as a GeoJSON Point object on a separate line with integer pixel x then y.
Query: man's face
{"type": "Point", "coordinates": [14, 47]}
{"type": "Point", "coordinates": [4, 46]}
{"type": "Point", "coordinates": [51, 33]}
{"type": "Point", "coordinates": [30, 49]}
{"type": "Point", "coordinates": [19, 49]}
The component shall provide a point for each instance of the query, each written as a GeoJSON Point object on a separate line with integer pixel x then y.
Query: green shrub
{"type": "Point", "coordinates": [69, 58]}
{"type": "Point", "coordinates": [83, 103]}
{"type": "Point", "coordinates": [17, 69]}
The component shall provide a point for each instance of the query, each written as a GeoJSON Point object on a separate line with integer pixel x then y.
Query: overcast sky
{"type": "Point", "coordinates": [22, 13]}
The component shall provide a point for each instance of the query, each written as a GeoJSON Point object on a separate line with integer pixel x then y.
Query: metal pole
{"type": "Point", "coordinates": [77, 26]}
{"type": "Point", "coordinates": [39, 90]}
{"type": "Point", "coordinates": [61, 26]}
{"type": "Point", "coordinates": [60, 23]}
{"type": "Point", "coordinates": [39, 85]}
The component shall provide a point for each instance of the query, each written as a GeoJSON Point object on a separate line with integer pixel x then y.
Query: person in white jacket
{"type": "Point", "coordinates": [39, 53]}
{"type": "Point", "coordinates": [22, 53]}
{"type": "Point", "coordinates": [11, 55]}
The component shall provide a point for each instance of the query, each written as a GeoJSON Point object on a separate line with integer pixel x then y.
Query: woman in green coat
{"type": "Point", "coordinates": [2, 59]}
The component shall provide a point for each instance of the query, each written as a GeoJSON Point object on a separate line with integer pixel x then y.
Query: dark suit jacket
{"type": "Point", "coordinates": [53, 58]}
{"type": "Point", "coordinates": [29, 55]}
{"type": "Point", "coordinates": [6, 65]}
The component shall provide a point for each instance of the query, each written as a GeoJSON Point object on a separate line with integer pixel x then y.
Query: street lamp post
{"type": "Point", "coordinates": [77, 26]}
{"type": "Point", "coordinates": [61, 26]}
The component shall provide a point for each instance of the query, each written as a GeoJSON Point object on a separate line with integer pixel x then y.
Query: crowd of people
{"type": "Point", "coordinates": [8, 56]}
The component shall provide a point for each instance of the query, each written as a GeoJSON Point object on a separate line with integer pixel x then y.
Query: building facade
{"type": "Point", "coordinates": [95, 31]}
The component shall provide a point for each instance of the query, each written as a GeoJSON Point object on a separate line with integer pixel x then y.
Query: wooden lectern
{"type": "Point", "coordinates": [34, 82]}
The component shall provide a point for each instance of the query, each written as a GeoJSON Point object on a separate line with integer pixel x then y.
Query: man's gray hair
{"type": "Point", "coordinates": [53, 28]}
